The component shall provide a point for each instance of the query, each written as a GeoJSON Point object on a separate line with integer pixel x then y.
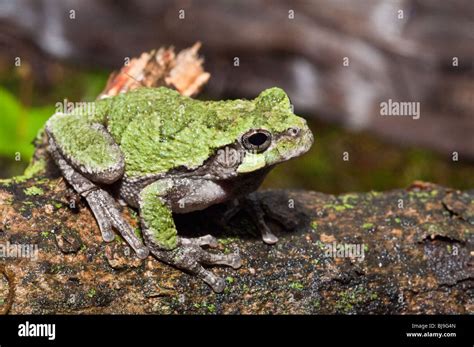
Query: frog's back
{"type": "Point", "coordinates": [158, 129]}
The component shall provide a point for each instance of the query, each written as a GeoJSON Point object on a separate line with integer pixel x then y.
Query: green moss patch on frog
{"type": "Point", "coordinates": [153, 145]}
{"type": "Point", "coordinates": [159, 217]}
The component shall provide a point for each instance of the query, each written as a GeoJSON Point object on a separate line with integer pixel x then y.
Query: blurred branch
{"type": "Point", "coordinates": [183, 72]}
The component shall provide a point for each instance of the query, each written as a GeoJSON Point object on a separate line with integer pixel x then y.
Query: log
{"type": "Point", "coordinates": [417, 259]}
{"type": "Point", "coordinates": [402, 251]}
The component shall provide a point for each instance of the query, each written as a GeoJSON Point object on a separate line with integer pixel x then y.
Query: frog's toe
{"type": "Point", "coordinates": [215, 282]}
{"type": "Point", "coordinates": [142, 252]}
{"type": "Point", "coordinates": [107, 215]}
{"type": "Point", "coordinates": [232, 260]}
{"type": "Point", "coordinates": [108, 234]}
{"type": "Point", "coordinates": [206, 240]}
{"type": "Point", "coordinates": [189, 256]}
{"type": "Point", "coordinates": [101, 216]}
{"type": "Point", "coordinates": [268, 237]}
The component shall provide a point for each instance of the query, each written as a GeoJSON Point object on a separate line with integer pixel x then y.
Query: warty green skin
{"type": "Point", "coordinates": [162, 149]}
{"type": "Point", "coordinates": [158, 129]}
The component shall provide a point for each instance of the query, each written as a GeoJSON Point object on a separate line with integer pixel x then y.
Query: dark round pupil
{"type": "Point", "coordinates": [258, 139]}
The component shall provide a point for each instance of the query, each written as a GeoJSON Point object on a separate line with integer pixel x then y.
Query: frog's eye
{"type": "Point", "coordinates": [257, 140]}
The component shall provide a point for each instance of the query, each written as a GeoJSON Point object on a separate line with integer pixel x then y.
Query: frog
{"type": "Point", "coordinates": [161, 154]}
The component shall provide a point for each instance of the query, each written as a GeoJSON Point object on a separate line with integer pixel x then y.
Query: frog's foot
{"type": "Point", "coordinates": [189, 257]}
{"type": "Point", "coordinates": [206, 240]}
{"type": "Point", "coordinates": [108, 217]}
{"type": "Point", "coordinates": [254, 209]}
{"type": "Point", "coordinates": [258, 216]}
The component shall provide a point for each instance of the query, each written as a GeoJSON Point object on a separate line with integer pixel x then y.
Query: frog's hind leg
{"type": "Point", "coordinates": [103, 206]}
{"type": "Point", "coordinates": [88, 147]}
{"type": "Point", "coordinates": [160, 234]}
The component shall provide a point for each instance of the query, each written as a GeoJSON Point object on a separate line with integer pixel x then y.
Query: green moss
{"type": "Point", "coordinates": [33, 169]}
{"type": "Point", "coordinates": [296, 286]}
{"type": "Point", "coordinates": [348, 299]}
{"type": "Point", "coordinates": [211, 308]}
{"type": "Point", "coordinates": [431, 228]}
{"type": "Point", "coordinates": [138, 233]}
{"type": "Point", "coordinates": [314, 225]}
{"type": "Point", "coordinates": [339, 208]}
{"type": "Point", "coordinates": [346, 198]}
{"type": "Point", "coordinates": [91, 293]}
{"type": "Point", "coordinates": [227, 241]}
{"type": "Point", "coordinates": [33, 191]}
{"type": "Point", "coordinates": [367, 226]}
{"type": "Point", "coordinates": [229, 279]}
{"type": "Point", "coordinates": [133, 213]}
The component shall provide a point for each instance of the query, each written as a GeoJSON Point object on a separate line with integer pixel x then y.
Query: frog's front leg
{"type": "Point", "coordinates": [82, 174]}
{"type": "Point", "coordinates": [252, 205]}
{"type": "Point", "coordinates": [157, 202]}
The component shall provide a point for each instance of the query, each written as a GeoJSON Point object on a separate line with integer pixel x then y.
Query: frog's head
{"type": "Point", "coordinates": [276, 133]}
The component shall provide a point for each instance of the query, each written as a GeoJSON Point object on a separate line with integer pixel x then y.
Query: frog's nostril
{"type": "Point", "coordinates": [294, 131]}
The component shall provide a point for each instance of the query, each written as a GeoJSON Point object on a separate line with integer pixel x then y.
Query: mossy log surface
{"type": "Point", "coordinates": [417, 259]}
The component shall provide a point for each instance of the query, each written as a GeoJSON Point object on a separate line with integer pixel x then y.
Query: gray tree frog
{"type": "Point", "coordinates": [164, 153]}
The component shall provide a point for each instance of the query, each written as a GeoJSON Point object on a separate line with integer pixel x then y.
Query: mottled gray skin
{"type": "Point", "coordinates": [182, 189]}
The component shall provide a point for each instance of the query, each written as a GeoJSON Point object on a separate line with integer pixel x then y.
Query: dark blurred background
{"type": "Point", "coordinates": [409, 50]}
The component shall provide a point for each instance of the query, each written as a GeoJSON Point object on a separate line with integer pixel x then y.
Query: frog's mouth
{"type": "Point", "coordinates": [287, 146]}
